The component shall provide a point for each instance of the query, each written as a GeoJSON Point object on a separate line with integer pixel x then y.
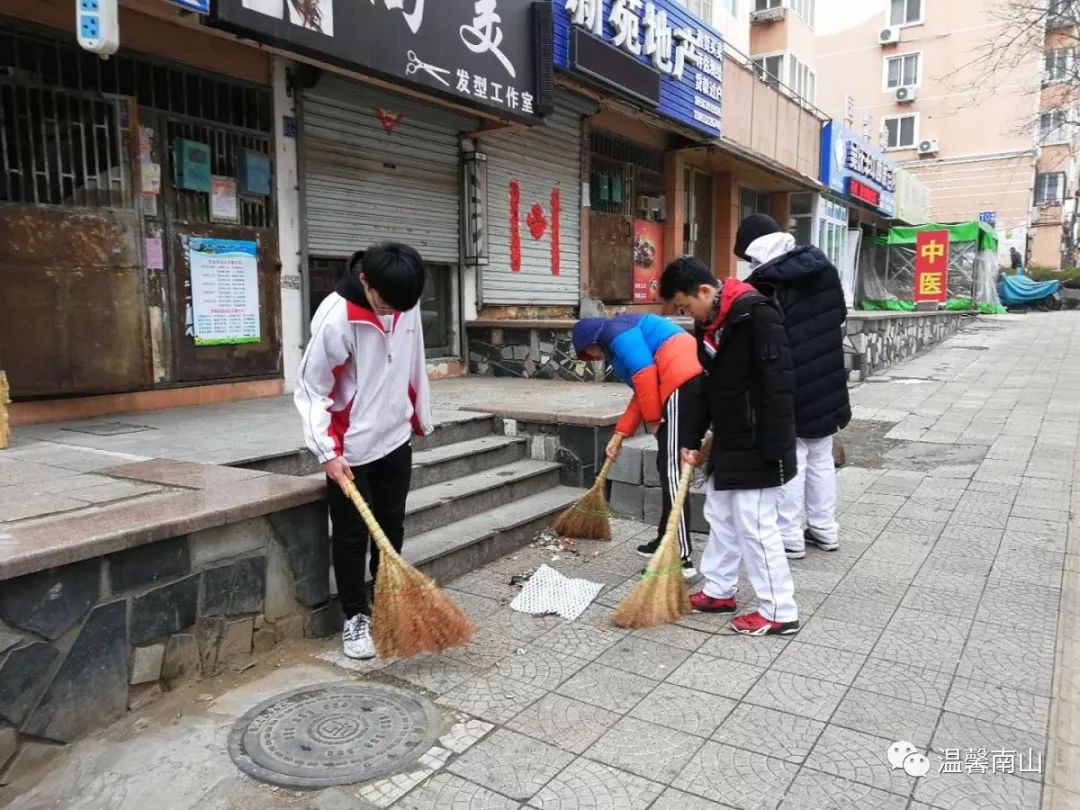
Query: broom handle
{"type": "Point", "coordinates": [602, 477]}
{"type": "Point", "coordinates": [377, 534]}
{"type": "Point", "coordinates": [684, 490]}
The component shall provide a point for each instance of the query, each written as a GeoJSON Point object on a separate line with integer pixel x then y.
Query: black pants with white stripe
{"type": "Point", "coordinates": [677, 428]}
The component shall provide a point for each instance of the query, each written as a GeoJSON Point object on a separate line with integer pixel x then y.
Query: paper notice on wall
{"type": "Point", "coordinates": [151, 178]}
{"type": "Point", "coordinates": [155, 253]}
{"type": "Point", "coordinates": [224, 291]}
{"type": "Point", "coordinates": [223, 203]}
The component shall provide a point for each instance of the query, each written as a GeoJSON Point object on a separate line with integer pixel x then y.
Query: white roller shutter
{"type": "Point", "coordinates": [364, 184]}
{"type": "Point", "coordinates": [538, 161]}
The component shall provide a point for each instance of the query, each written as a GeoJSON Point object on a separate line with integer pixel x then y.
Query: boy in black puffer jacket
{"type": "Point", "coordinates": [748, 394]}
{"type": "Point", "coordinates": [807, 287]}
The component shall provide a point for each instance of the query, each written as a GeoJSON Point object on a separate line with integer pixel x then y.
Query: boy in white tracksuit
{"type": "Point", "coordinates": [362, 393]}
{"type": "Point", "coordinates": [807, 288]}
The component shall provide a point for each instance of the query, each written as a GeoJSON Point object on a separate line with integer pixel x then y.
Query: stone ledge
{"type": "Point", "coordinates": [209, 497]}
{"type": "Point", "coordinates": [869, 315]}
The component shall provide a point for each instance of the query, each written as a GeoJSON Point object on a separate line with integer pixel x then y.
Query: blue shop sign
{"type": "Point", "coordinates": [198, 6]}
{"type": "Point", "coordinates": [656, 52]}
{"type": "Point", "coordinates": [852, 167]}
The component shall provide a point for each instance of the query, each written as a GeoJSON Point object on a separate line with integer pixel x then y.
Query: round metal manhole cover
{"type": "Point", "coordinates": [333, 734]}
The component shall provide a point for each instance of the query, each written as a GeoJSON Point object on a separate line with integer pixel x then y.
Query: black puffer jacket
{"type": "Point", "coordinates": [807, 288]}
{"type": "Point", "coordinates": [749, 395]}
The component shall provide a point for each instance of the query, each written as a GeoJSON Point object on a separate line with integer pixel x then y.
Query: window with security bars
{"type": "Point", "coordinates": [1058, 65]}
{"type": "Point", "coordinates": [621, 171]}
{"type": "Point", "coordinates": [64, 119]}
{"type": "Point", "coordinates": [1049, 188]}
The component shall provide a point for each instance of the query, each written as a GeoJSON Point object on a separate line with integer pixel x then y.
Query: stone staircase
{"type": "Point", "coordinates": [476, 495]}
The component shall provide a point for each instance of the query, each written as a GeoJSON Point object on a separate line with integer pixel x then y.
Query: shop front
{"type": "Point", "coordinates": [138, 247]}
{"type": "Point", "coordinates": [659, 72]}
{"type": "Point", "coordinates": [387, 148]}
{"type": "Point", "coordinates": [859, 204]}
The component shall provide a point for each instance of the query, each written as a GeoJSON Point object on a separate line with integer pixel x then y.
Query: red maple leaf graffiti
{"type": "Point", "coordinates": [536, 221]}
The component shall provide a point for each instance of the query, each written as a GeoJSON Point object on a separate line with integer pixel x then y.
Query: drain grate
{"type": "Point", "coordinates": [334, 734]}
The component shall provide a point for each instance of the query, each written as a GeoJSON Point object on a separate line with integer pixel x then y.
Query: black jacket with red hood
{"type": "Point", "coordinates": [749, 390]}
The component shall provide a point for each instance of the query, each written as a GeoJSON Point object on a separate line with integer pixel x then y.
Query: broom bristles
{"type": "Point", "coordinates": [661, 595]}
{"type": "Point", "coordinates": [589, 518]}
{"type": "Point", "coordinates": [410, 614]}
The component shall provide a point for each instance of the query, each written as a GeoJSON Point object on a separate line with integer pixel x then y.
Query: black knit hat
{"type": "Point", "coordinates": [753, 227]}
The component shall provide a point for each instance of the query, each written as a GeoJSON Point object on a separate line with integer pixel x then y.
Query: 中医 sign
{"type": "Point", "coordinates": [854, 168]}
{"type": "Point", "coordinates": [653, 50]}
{"type": "Point", "coordinates": [931, 266]}
{"type": "Point", "coordinates": [480, 52]}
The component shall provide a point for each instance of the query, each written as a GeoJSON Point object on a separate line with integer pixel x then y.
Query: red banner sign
{"type": "Point", "coordinates": [931, 266]}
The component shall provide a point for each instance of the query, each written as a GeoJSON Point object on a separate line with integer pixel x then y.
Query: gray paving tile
{"type": "Point", "coordinates": [683, 638]}
{"type": "Point", "coordinates": [956, 732]}
{"type": "Point", "coordinates": [934, 602]}
{"type": "Point", "coordinates": [491, 697]}
{"type": "Point", "coordinates": [737, 777]}
{"type": "Point", "coordinates": [796, 694]}
{"type": "Point", "coordinates": [435, 673]}
{"type": "Point", "coordinates": [814, 790]}
{"type": "Point", "coordinates": [859, 757]}
{"type": "Point", "coordinates": [672, 799]}
{"type": "Point", "coordinates": [856, 609]}
{"type": "Point", "coordinates": [758, 652]}
{"type": "Point", "coordinates": [654, 752]}
{"type": "Point", "coordinates": [838, 666]}
{"type": "Point", "coordinates": [608, 688]}
{"type": "Point", "coordinates": [716, 676]}
{"type": "Point", "coordinates": [564, 722]}
{"type": "Point", "coordinates": [849, 636]}
{"type": "Point", "coordinates": [767, 731]}
{"type": "Point", "coordinates": [539, 667]}
{"type": "Point", "coordinates": [581, 639]}
{"type": "Point", "coordinates": [917, 638]}
{"type": "Point", "coordinates": [588, 785]}
{"type": "Point", "coordinates": [887, 717]}
{"type": "Point", "coordinates": [448, 792]}
{"type": "Point", "coordinates": [645, 658]}
{"type": "Point", "coordinates": [998, 704]}
{"type": "Point", "coordinates": [965, 791]}
{"type": "Point", "coordinates": [926, 686]}
{"type": "Point", "coordinates": [511, 764]}
{"type": "Point", "coordinates": [686, 710]}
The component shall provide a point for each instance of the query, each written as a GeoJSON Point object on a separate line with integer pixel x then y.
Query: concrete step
{"type": "Point", "coordinates": [451, 551]}
{"type": "Point", "coordinates": [438, 505]}
{"type": "Point", "coordinates": [452, 427]}
{"type": "Point", "coordinates": [451, 461]}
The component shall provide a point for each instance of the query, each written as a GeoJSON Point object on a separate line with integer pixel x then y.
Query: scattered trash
{"type": "Point", "coordinates": [552, 542]}
{"type": "Point", "coordinates": [518, 580]}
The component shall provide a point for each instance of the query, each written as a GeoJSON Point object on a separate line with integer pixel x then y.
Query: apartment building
{"type": "Point", "coordinates": [912, 75]}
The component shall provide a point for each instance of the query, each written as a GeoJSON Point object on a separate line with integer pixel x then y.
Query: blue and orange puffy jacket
{"type": "Point", "coordinates": [649, 353]}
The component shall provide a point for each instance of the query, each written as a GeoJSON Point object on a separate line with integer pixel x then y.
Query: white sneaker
{"type": "Point", "coordinates": [356, 639]}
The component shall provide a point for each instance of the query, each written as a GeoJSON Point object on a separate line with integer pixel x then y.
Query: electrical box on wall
{"type": "Point", "coordinates": [97, 25]}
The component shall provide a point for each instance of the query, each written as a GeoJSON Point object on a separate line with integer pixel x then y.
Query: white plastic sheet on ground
{"type": "Point", "coordinates": [548, 591]}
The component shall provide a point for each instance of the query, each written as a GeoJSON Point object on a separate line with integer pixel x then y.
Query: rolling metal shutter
{"type": "Point", "coordinates": [364, 184]}
{"type": "Point", "coordinates": [537, 161]}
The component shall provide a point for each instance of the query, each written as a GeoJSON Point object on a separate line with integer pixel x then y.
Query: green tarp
{"type": "Point", "coordinates": [974, 231]}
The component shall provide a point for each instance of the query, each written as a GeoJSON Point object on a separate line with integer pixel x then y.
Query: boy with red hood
{"type": "Point", "coordinates": [749, 395]}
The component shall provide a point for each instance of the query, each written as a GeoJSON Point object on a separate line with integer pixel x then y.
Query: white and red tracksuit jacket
{"type": "Point", "coordinates": [362, 388]}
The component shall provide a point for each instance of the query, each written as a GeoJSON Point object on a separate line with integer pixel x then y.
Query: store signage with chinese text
{"type": "Point", "coordinates": [479, 52]}
{"type": "Point", "coordinates": [931, 266]}
{"type": "Point", "coordinates": [674, 46]}
{"type": "Point", "coordinates": [851, 166]}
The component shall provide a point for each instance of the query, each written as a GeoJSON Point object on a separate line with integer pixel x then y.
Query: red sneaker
{"type": "Point", "coordinates": [754, 624]}
{"type": "Point", "coordinates": [703, 603]}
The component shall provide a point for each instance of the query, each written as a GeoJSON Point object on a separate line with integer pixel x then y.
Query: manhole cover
{"type": "Point", "coordinates": [333, 734]}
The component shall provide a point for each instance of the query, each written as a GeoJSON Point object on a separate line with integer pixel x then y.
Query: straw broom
{"type": "Point", "coordinates": [5, 430]}
{"type": "Point", "coordinates": [588, 518]}
{"type": "Point", "coordinates": [662, 595]}
{"type": "Point", "coordinates": [410, 614]}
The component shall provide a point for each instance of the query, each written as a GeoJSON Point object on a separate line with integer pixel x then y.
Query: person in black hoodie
{"type": "Point", "coordinates": [806, 287]}
{"type": "Point", "coordinates": [748, 396]}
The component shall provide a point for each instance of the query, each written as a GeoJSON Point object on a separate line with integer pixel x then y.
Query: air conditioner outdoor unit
{"type": "Point", "coordinates": [928, 147]}
{"type": "Point", "coordinates": [768, 15]}
{"type": "Point", "coordinates": [889, 36]}
{"type": "Point", "coordinates": [905, 95]}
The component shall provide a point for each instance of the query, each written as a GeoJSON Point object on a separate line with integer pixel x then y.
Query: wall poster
{"type": "Point", "coordinates": [224, 291]}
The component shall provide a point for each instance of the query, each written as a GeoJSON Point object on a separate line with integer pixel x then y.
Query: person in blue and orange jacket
{"type": "Point", "coordinates": [659, 361]}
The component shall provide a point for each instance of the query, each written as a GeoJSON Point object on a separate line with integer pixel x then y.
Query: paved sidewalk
{"type": "Point", "coordinates": [936, 623]}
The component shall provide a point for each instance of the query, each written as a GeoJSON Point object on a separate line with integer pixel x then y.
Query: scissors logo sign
{"type": "Point", "coordinates": [415, 65]}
